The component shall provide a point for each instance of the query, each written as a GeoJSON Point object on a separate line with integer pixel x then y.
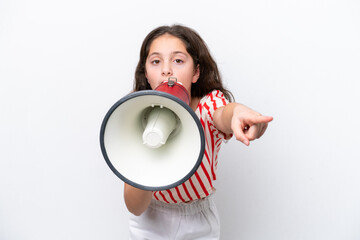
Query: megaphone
{"type": "Point", "coordinates": [152, 139]}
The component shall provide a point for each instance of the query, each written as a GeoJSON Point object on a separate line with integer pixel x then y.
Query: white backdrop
{"type": "Point", "coordinates": [64, 63]}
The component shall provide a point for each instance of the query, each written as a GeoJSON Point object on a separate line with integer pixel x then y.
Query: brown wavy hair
{"type": "Point", "coordinates": [209, 79]}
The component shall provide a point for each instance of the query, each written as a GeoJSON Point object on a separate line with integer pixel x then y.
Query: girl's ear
{"type": "Point", "coordinates": [196, 74]}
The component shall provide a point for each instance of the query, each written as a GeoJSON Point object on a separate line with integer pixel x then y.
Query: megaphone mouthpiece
{"type": "Point", "coordinates": [174, 88]}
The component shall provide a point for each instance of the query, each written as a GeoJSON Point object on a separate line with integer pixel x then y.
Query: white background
{"type": "Point", "coordinates": [64, 63]}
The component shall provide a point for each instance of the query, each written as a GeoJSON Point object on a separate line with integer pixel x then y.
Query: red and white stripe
{"type": "Point", "coordinates": [200, 184]}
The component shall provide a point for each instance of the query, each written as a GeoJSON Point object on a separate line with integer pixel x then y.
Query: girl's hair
{"type": "Point", "coordinates": [209, 79]}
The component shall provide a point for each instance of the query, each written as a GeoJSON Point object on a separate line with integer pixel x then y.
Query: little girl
{"type": "Point", "coordinates": [188, 211]}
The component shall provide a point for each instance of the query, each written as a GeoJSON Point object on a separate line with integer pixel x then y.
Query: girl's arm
{"type": "Point", "coordinates": [243, 122]}
{"type": "Point", "coordinates": [136, 200]}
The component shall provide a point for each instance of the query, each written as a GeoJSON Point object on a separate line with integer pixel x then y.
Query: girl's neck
{"type": "Point", "coordinates": [194, 103]}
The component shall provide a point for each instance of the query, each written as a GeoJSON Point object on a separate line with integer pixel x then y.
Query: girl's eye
{"type": "Point", "coordinates": [178, 61]}
{"type": "Point", "coordinates": [155, 61]}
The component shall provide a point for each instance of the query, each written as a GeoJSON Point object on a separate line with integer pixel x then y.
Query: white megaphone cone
{"type": "Point", "coordinates": [152, 139]}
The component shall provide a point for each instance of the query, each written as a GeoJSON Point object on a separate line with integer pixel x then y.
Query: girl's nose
{"type": "Point", "coordinates": [166, 70]}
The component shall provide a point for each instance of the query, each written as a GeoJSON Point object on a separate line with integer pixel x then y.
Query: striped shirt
{"type": "Point", "coordinates": [200, 184]}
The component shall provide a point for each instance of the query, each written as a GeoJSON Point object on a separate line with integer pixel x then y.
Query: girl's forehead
{"type": "Point", "coordinates": [167, 42]}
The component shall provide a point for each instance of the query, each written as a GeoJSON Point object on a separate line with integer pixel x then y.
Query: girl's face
{"type": "Point", "coordinates": [168, 58]}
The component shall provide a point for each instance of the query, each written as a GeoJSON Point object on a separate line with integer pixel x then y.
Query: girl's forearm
{"type": "Point", "coordinates": [223, 116]}
{"type": "Point", "coordinates": [136, 200]}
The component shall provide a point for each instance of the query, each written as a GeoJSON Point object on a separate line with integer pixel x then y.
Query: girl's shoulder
{"type": "Point", "coordinates": [207, 107]}
{"type": "Point", "coordinates": [214, 97]}
{"type": "Point", "coordinates": [212, 101]}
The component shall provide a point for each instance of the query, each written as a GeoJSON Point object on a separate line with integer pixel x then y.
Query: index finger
{"type": "Point", "coordinates": [261, 119]}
